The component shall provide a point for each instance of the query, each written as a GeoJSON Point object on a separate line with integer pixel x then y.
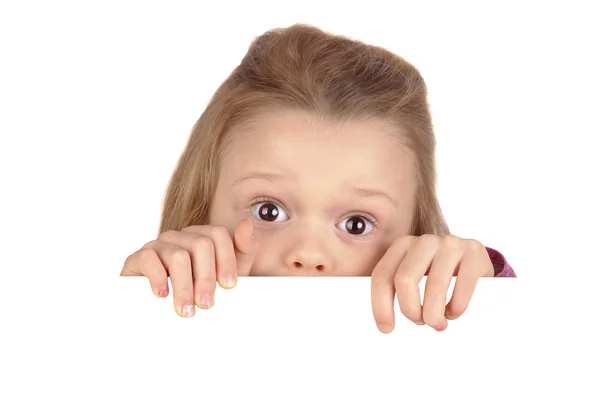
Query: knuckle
{"type": "Point", "coordinates": [459, 309]}
{"type": "Point", "coordinates": [184, 293]}
{"type": "Point", "coordinates": [167, 235]}
{"type": "Point", "coordinates": [220, 231]}
{"type": "Point", "coordinates": [202, 243]}
{"type": "Point", "coordinates": [427, 318]}
{"type": "Point", "coordinates": [131, 259]}
{"type": "Point", "coordinates": [436, 284]}
{"type": "Point", "coordinates": [177, 256]}
{"type": "Point", "coordinates": [427, 240]}
{"type": "Point", "coordinates": [130, 265]}
{"type": "Point", "coordinates": [435, 288]}
{"type": "Point", "coordinates": [430, 319]}
{"type": "Point", "coordinates": [404, 240]}
{"type": "Point", "coordinates": [402, 280]}
{"type": "Point", "coordinates": [410, 313]}
{"type": "Point", "coordinates": [191, 228]}
{"type": "Point", "coordinates": [144, 254]}
{"type": "Point", "coordinates": [402, 243]}
{"type": "Point", "coordinates": [141, 261]}
{"type": "Point", "coordinates": [149, 244]}
{"type": "Point", "coordinates": [205, 283]}
{"type": "Point", "coordinates": [451, 241]}
{"type": "Point", "coordinates": [474, 245]}
{"type": "Point", "coordinates": [144, 262]}
{"type": "Point", "coordinates": [378, 275]}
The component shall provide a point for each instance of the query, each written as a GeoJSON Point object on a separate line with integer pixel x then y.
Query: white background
{"type": "Point", "coordinates": [96, 103]}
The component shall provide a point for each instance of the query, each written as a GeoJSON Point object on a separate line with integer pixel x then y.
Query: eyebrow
{"type": "Point", "coordinates": [362, 192]}
{"type": "Point", "coordinates": [369, 192]}
{"type": "Point", "coordinates": [271, 177]}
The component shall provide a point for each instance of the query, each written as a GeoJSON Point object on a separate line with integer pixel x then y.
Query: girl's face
{"type": "Point", "coordinates": [325, 199]}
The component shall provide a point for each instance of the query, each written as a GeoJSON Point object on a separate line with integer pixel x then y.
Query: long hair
{"type": "Point", "coordinates": [302, 67]}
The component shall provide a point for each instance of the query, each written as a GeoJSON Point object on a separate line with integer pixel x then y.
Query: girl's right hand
{"type": "Point", "coordinates": [195, 258]}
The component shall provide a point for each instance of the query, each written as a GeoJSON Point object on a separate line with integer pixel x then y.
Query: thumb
{"type": "Point", "coordinates": [245, 246]}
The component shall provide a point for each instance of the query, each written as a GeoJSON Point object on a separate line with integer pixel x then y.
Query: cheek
{"type": "Point", "coordinates": [364, 264]}
{"type": "Point", "coordinates": [268, 260]}
{"type": "Point", "coordinates": [366, 260]}
{"type": "Point", "coordinates": [358, 259]}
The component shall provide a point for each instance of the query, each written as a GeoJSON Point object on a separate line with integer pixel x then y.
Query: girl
{"type": "Point", "coordinates": [315, 157]}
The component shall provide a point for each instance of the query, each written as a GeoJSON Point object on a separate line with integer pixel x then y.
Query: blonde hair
{"type": "Point", "coordinates": [305, 68]}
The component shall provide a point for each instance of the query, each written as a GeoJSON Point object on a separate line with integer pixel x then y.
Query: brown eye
{"type": "Point", "coordinates": [268, 211]}
{"type": "Point", "coordinates": [356, 225]}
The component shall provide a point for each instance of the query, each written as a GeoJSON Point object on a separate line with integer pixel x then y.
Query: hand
{"type": "Point", "coordinates": [410, 258]}
{"type": "Point", "coordinates": [195, 258]}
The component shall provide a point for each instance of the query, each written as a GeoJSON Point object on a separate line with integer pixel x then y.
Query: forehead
{"type": "Point", "coordinates": [300, 144]}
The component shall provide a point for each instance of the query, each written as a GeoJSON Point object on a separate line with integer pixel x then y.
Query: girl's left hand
{"type": "Point", "coordinates": [439, 258]}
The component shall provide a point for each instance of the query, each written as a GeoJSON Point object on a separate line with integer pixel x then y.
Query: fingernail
{"type": "Point", "coordinates": [229, 281]}
{"type": "Point", "coordinates": [420, 323]}
{"type": "Point", "coordinates": [162, 292]}
{"type": "Point", "coordinates": [206, 301]}
{"type": "Point", "coordinates": [451, 317]}
{"type": "Point", "coordinates": [188, 311]}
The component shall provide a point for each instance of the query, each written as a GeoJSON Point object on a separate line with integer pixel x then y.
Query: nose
{"type": "Point", "coordinates": [320, 268]}
{"type": "Point", "coordinates": [309, 257]}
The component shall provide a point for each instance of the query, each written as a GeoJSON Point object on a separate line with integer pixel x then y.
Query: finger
{"type": "Point", "coordinates": [201, 250]}
{"type": "Point", "coordinates": [469, 272]}
{"type": "Point", "coordinates": [445, 262]}
{"type": "Point", "coordinates": [145, 262]}
{"type": "Point", "coordinates": [177, 262]}
{"type": "Point", "coordinates": [226, 266]}
{"type": "Point", "coordinates": [204, 272]}
{"type": "Point", "coordinates": [227, 271]}
{"type": "Point", "coordinates": [382, 284]}
{"type": "Point", "coordinates": [245, 246]}
{"type": "Point", "coordinates": [410, 273]}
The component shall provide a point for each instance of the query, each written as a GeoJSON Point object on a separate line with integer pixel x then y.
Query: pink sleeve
{"type": "Point", "coordinates": [501, 267]}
